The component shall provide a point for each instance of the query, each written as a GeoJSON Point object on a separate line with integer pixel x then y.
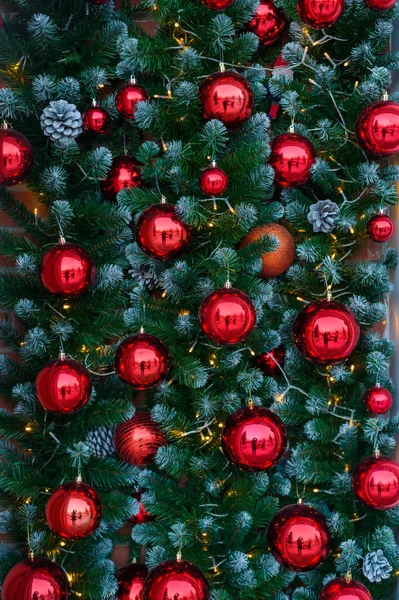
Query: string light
{"type": "Point", "coordinates": [66, 306]}
{"type": "Point", "coordinates": [28, 428]}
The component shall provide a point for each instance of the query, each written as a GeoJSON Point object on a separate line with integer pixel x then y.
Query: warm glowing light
{"type": "Point", "coordinates": [66, 306]}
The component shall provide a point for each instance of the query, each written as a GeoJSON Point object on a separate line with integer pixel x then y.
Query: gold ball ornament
{"type": "Point", "coordinates": [276, 262]}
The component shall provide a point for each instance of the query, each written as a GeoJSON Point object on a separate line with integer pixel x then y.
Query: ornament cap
{"type": "Point", "coordinates": [228, 285]}
{"type": "Point", "coordinates": [141, 329]}
{"type": "Point", "coordinates": [132, 79]}
{"type": "Point", "coordinates": [31, 555]}
{"type": "Point", "coordinates": [377, 453]}
{"type": "Point", "coordinates": [79, 479]}
{"type": "Point", "coordinates": [348, 577]}
{"type": "Point", "coordinates": [179, 556]}
{"type": "Point", "coordinates": [250, 403]}
{"type": "Point", "coordinates": [4, 125]}
{"type": "Point", "coordinates": [163, 199]}
{"type": "Point", "coordinates": [385, 96]}
{"type": "Point", "coordinates": [300, 501]}
{"type": "Point", "coordinates": [329, 295]}
{"type": "Point", "coordinates": [292, 128]}
{"type": "Point", "coordinates": [377, 385]}
{"type": "Point", "coordinates": [62, 239]}
{"type": "Point", "coordinates": [213, 163]}
{"type": "Point", "coordinates": [62, 355]}
{"type": "Point", "coordinates": [94, 102]}
{"type": "Point", "coordinates": [222, 67]}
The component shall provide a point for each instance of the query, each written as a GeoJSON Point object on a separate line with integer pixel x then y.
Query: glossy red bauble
{"type": "Point", "coordinates": [227, 316]}
{"type": "Point", "coordinates": [277, 262]}
{"type": "Point", "coordinates": [299, 538]}
{"type": "Point", "coordinates": [380, 4]}
{"type": "Point", "coordinates": [320, 14]}
{"type": "Point", "coordinates": [267, 23]}
{"type": "Point", "coordinates": [343, 589]}
{"type": "Point", "coordinates": [131, 581]}
{"type": "Point", "coordinates": [217, 4]}
{"type": "Point", "coordinates": [137, 440]}
{"type": "Point", "coordinates": [380, 228]}
{"type": "Point", "coordinates": [96, 119]}
{"type": "Point", "coordinates": [213, 181]}
{"type": "Point", "coordinates": [176, 580]}
{"type": "Point", "coordinates": [292, 157]}
{"type": "Point", "coordinates": [74, 510]}
{"type": "Point", "coordinates": [127, 98]}
{"type": "Point", "coordinates": [376, 482]}
{"type": "Point", "coordinates": [142, 361]}
{"type": "Point", "coordinates": [124, 173]}
{"type": "Point", "coordinates": [268, 362]}
{"type": "Point", "coordinates": [16, 157]}
{"type": "Point", "coordinates": [254, 439]}
{"type": "Point", "coordinates": [63, 386]}
{"type": "Point", "coordinates": [378, 400]}
{"type": "Point", "coordinates": [67, 270]}
{"type": "Point", "coordinates": [326, 332]}
{"type": "Point", "coordinates": [160, 233]}
{"type": "Point", "coordinates": [34, 579]}
{"type": "Point", "coordinates": [226, 96]}
{"type": "Point", "coordinates": [377, 128]}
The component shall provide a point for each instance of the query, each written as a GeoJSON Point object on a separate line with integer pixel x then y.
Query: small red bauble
{"type": "Point", "coordinates": [160, 233]}
{"type": "Point", "coordinates": [176, 580]}
{"type": "Point", "coordinates": [16, 157]}
{"type": "Point", "coordinates": [267, 23]}
{"type": "Point", "coordinates": [226, 96]}
{"type": "Point", "coordinates": [326, 332]}
{"type": "Point", "coordinates": [299, 538]}
{"type": "Point", "coordinates": [137, 440]}
{"type": "Point", "coordinates": [320, 14]}
{"type": "Point", "coordinates": [63, 386]}
{"type": "Point", "coordinates": [269, 366]}
{"type": "Point", "coordinates": [131, 581]}
{"type": "Point", "coordinates": [378, 400]}
{"type": "Point", "coordinates": [217, 4]}
{"type": "Point", "coordinates": [292, 157]}
{"type": "Point", "coordinates": [142, 361]}
{"type": "Point", "coordinates": [36, 578]}
{"type": "Point", "coordinates": [143, 516]}
{"type": "Point", "coordinates": [127, 98]}
{"type": "Point", "coordinates": [124, 173]}
{"type": "Point", "coordinates": [343, 588]}
{"type": "Point", "coordinates": [96, 119]}
{"type": "Point", "coordinates": [376, 482]}
{"type": "Point", "coordinates": [377, 128]}
{"type": "Point", "coordinates": [227, 316]}
{"type": "Point", "coordinates": [67, 270]}
{"type": "Point", "coordinates": [254, 439]}
{"type": "Point", "coordinates": [213, 181]}
{"type": "Point", "coordinates": [380, 228]}
{"type": "Point", "coordinates": [380, 4]}
{"type": "Point", "coordinates": [74, 510]}
{"type": "Point", "coordinates": [274, 263]}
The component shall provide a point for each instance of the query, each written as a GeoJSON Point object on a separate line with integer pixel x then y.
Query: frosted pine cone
{"type": "Point", "coordinates": [101, 441]}
{"type": "Point", "coordinates": [376, 567]}
{"type": "Point", "coordinates": [322, 215]}
{"type": "Point", "coordinates": [61, 120]}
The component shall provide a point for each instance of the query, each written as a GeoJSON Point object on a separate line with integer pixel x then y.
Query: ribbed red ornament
{"type": "Point", "coordinates": [267, 23]}
{"type": "Point", "coordinates": [376, 482]}
{"type": "Point", "coordinates": [127, 98]}
{"type": "Point", "coordinates": [380, 228]}
{"type": "Point", "coordinates": [380, 4]}
{"type": "Point", "coordinates": [67, 270]}
{"type": "Point", "coordinates": [320, 14]}
{"type": "Point", "coordinates": [217, 4]}
{"type": "Point", "coordinates": [161, 234]}
{"type": "Point", "coordinates": [142, 361]}
{"type": "Point", "coordinates": [343, 588]}
{"type": "Point", "coordinates": [96, 119]}
{"type": "Point", "coordinates": [226, 96]}
{"type": "Point", "coordinates": [16, 157]}
{"type": "Point", "coordinates": [137, 440]}
{"type": "Point", "coordinates": [292, 156]}
{"type": "Point", "coordinates": [63, 386]}
{"type": "Point", "coordinates": [269, 366]}
{"type": "Point", "coordinates": [36, 579]}
{"type": "Point", "coordinates": [176, 580]}
{"type": "Point", "coordinates": [377, 128]}
{"type": "Point", "coordinates": [213, 181]}
{"type": "Point", "coordinates": [124, 173]}
{"type": "Point", "coordinates": [378, 400]}
{"type": "Point", "coordinates": [74, 510]}
{"type": "Point", "coordinates": [131, 581]}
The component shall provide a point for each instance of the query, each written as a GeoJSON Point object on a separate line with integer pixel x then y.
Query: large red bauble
{"type": "Point", "coordinates": [378, 400]}
{"type": "Point", "coordinates": [326, 332]}
{"type": "Point", "coordinates": [269, 366]}
{"type": "Point", "coordinates": [377, 128]}
{"type": "Point", "coordinates": [96, 119]}
{"type": "Point", "coordinates": [127, 98]}
{"type": "Point", "coordinates": [176, 579]}
{"type": "Point", "coordinates": [299, 538]}
{"type": "Point", "coordinates": [274, 263]}
{"type": "Point", "coordinates": [137, 440]}
{"type": "Point", "coordinates": [292, 157]}
{"type": "Point", "coordinates": [160, 233]}
{"type": "Point", "coordinates": [227, 316]}
{"type": "Point", "coordinates": [131, 581]}
{"type": "Point", "coordinates": [267, 23]}
{"type": "Point", "coordinates": [74, 510]}
{"type": "Point", "coordinates": [142, 361]}
{"type": "Point", "coordinates": [213, 181]}
{"type": "Point", "coordinates": [380, 228]}
{"type": "Point", "coordinates": [67, 270]}
{"type": "Point", "coordinates": [376, 482]}
{"type": "Point", "coordinates": [226, 96]}
{"type": "Point", "coordinates": [124, 173]}
{"type": "Point", "coordinates": [16, 157]}
{"type": "Point", "coordinates": [320, 14]}
{"type": "Point", "coordinates": [217, 4]}
{"type": "Point", "coordinates": [63, 386]}
{"type": "Point", "coordinates": [341, 589]}
{"type": "Point", "coordinates": [380, 4]}
{"type": "Point", "coordinates": [254, 439]}
{"type": "Point", "coordinates": [36, 578]}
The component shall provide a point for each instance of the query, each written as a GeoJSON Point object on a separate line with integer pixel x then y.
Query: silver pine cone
{"type": "Point", "coordinates": [101, 441]}
{"type": "Point", "coordinates": [61, 120]}
{"type": "Point", "coordinates": [322, 215]}
{"type": "Point", "coordinates": [376, 567]}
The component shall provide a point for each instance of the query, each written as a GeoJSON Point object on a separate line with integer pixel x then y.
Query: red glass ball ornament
{"type": "Point", "coordinates": [326, 332]}
{"type": "Point", "coordinates": [227, 316]}
{"type": "Point", "coordinates": [378, 400]}
{"type": "Point", "coordinates": [142, 516]}
{"type": "Point", "coordinates": [176, 580]}
{"type": "Point", "coordinates": [138, 439]}
{"type": "Point", "coordinates": [277, 262]}
{"type": "Point", "coordinates": [35, 578]}
{"type": "Point", "coordinates": [63, 386]}
{"type": "Point", "coordinates": [213, 181]}
{"type": "Point", "coordinates": [254, 439]}
{"type": "Point", "coordinates": [267, 23]}
{"type": "Point", "coordinates": [67, 270]}
{"type": "Point", "coordinates": [345, 589]}
{"type": "Point", "coordinates": [131, 581]}
{"type": "Point", "coordinates": [16, 157]}
{"type": "Point", "coordinates": [299, 538]}
{"type": "Point", "coordinates": [320, 14]}
{"type": "Point", "coordinates": [142, 361]}
{"type": "Point", "coordinates": [292, 156]}
{"type": "Point", "coordinates": [376, 482]}
{"type": "Point", "coordinates": [96, 119]}
{"type": "Point", "coordinates": [217, 4]}
{"type": "Point", "coordinates": [377, 128]}
{"type": "Point", "coordinates": [127, 98]}
{"type": "Point", "coordinates": [268, 362]}
{"type": "Point", "coordinates": [124, 173]}
{"type": "Point", "coordinates": [226, 96]}
{"type": "Point", "coordinates": [380, 228]}
{"type": "Point", "coordinates": [74, 510]}
{"type": "Point", "coordinates": [380, 4]}
{"type": "Point", "coordinates": [160, 233]}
